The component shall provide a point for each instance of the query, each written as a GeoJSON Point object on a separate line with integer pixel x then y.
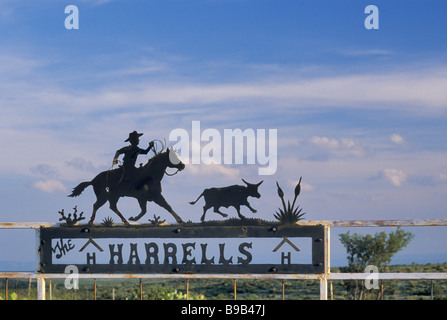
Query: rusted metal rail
{"type": "Point", "coordinates": [376, 223]}
{"type": "Point", "coordinates": [329, 223]}
{"type": "Point", "coordinates": [323, 277]}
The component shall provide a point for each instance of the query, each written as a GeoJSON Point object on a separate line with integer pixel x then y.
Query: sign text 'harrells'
{"type": "Point", "coordinates": [253, 249]}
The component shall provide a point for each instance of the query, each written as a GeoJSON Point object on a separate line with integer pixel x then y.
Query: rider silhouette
{"type": "Point", "coordinates": [131, 153]}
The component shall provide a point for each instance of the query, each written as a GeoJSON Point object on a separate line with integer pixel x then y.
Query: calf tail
{"type": "Point", "coordinates": [194, 202]}
{"type": "Point", "coordinates": [78, 190]}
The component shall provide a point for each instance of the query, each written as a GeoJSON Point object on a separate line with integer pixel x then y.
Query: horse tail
{"type": "Point", "coordinates": [194, 202]}
{"type": "Point", "coordinates": [78, 190]}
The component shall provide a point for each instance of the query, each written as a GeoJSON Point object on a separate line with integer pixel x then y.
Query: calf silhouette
{"type": "Point", "coordinates": [231, 196]}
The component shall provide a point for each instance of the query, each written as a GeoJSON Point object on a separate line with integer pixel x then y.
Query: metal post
{"type": "Point", "coordinates": [187, 289]}
{"type": "Point", "coordinates": [29, 288]}
{"type": "Point", "coordinates": [323, 287]}
{"type": "Point", "coordinates": [331, 290]}
{"type": "Point", "coordinates": [40, 288]}
{"type": "Point", "coordinates": [141, 289]}
{"type": "Point", "coordinates": [327, 249]}
{"type": "Point", "coordinates": [431, 290]}
{"type": "Point", "coordinates": [283, 287]}
{"type": "Point", "coordinates": [235, 290]}
{"type": "Point", "coordinates": [327, 263]}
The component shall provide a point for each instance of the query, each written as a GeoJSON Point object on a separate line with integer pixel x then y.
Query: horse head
{"type": "Point", "coordinates": [174, 160]}
{"type": "Point", "coordinates": [156, 166]}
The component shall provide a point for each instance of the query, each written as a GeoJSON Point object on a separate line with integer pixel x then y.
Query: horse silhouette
{"type": "Point", "coordinates": [144, 185]}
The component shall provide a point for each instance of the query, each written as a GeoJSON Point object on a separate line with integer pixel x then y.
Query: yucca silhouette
{"type": "Point", "coordinates": [289, 214]}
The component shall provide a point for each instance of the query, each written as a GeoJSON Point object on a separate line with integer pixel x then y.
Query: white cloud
{"type": "Point", "coordinates": [395, 176]}
{"type": "Point", "coordinates": [397, 139]}
{"type": "Point", "coordinates": [49, 186]}
{"type": "Point", "coordinates": [307, 187]}
{"type": "Point", "coordinates": [29, 101]}
{"type": "Point", "coordinates": [82, 164]}
{"type": "Point", "coordinates": [367, 52]}
{"type": "Point", "coordinates": [97, 2]}
{"type": "Point", "coordinates": [213, 170]}
{"type": "Point", "coordinates": [46, 170]}
{"type": "Point", "coordinates": [304, 186]}
{"type": "Point", "coordinates": [424, 89]}
{"type": "Point", "coordinates": [15, 65]}
{"type": "Point", "coordinates": [342, 147]}
{"type": "Point", "coordinates": [325, 142]}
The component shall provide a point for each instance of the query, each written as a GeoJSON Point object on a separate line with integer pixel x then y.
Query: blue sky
{"type": "Point", "coordinates": [360, 113]}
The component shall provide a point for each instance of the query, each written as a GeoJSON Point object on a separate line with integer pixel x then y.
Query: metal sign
{"type": "Point", "coordinates": [183, 249]}
{"type": "Point", "coordinates": [235, 248]}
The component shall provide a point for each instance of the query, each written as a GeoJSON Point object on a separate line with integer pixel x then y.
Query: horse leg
{"type": "Point", "coordinates": [143, 206]}
{"type": "Point", "coordinates": [98, 204]}
{"type": "Point", "coordinates": [160, 200]}
{"type": "Point", "coordinates": [114, 208]}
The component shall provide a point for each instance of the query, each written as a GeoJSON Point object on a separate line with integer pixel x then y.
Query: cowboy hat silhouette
{"type": "Point", "coordinates": [133, 135]}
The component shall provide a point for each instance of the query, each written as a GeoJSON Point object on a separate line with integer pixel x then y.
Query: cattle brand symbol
{"type": "Point", "coordinates": [288, 256]}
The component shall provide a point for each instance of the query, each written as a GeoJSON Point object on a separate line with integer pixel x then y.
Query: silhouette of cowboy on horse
{"type": "Point", "coordinates": [143, 183]}
{"type": "Point", "coordinates": [131, 154]}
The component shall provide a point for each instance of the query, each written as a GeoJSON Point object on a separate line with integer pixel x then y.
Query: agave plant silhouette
{"type": "Point", "coordinates": [107, 222]}
{"type": "Point", "coordinates": [289, 214]}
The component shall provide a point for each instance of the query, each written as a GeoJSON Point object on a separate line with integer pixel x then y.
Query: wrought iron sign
{"type": "Point", "coordinates": [238, 246]}
{"type": "Point", "coordinates": [170, 249]}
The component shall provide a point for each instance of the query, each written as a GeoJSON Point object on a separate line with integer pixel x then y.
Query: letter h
{"type": "Point", "coordinates": [284, 257]}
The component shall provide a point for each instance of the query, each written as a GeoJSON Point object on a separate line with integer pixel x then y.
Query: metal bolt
{"type": "Point", "coordinates": [274, 229]}
{"type": "Point", "coordinates": [179, 230]}
{"type": "Point", "coordinates": [85, 230]}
